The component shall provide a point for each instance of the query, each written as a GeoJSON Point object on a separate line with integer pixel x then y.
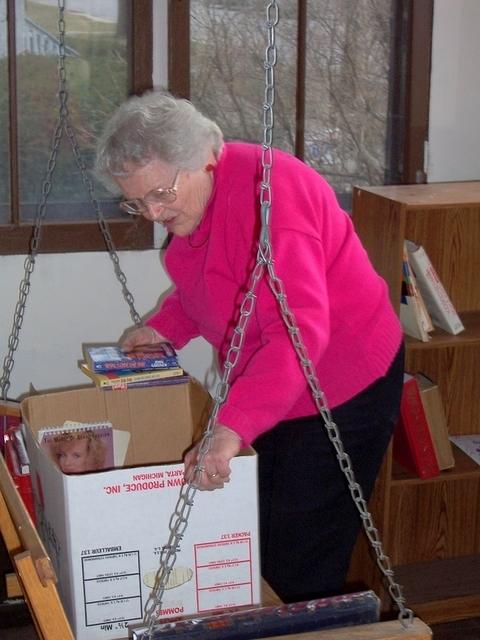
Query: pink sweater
{"type": "Point", "coordinates": [340, 303]}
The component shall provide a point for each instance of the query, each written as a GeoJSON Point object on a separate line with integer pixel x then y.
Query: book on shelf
{"type": "Point", "coordinates": [437, 421]}
{"type": "Point", "coordinates": [414, 316]}
{"type": "Point", "coordinates": [76, 447]}
{"type": "Point", "coordinates": [130, 379]}
{"type": "Point", "coordinates": [469, 444]}
{"type": "Point", "coordinates": [110, 357]}
{"type": "Point", "coordinates": [437, 300]}
{"type": "Point", "coordinates": [413, 446]}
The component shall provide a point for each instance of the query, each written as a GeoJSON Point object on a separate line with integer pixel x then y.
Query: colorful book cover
{"type": "Point", "coordinates": [111, 357]}
{"type": "Point", "coordinates": [437, 421]}
{"type": "Point", "coordinates": [437, 300]}
{"type": "Point", "coordinates": [415, 319]}
{"type": "Point", "coordinates": [125, 379]}
{"type": "Point", "coordinates": [77, 447]}
{"type": "Point", "coordinates": [413, 446]}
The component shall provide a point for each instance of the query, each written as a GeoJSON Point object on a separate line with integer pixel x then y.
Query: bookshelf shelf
{"type": "Point", "coordinates": [431, 522]}
{"type": "Point", "coordinates": [464, 468]}
{"type": "Point", "coordinates": [455, 582]}
{"type": "Point", "coordinates": [440, 338]}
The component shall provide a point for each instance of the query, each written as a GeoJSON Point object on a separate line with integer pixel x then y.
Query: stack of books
{"type": "Point", "coordinates": [112, 368]}
{"type": "Point", "coordinates": [425, 303]}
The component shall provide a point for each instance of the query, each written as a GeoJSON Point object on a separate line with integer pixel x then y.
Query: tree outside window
{"type": "Point", "coordinates": [340, 81]}
{"type": "Point", "coordinates": [99, 50]}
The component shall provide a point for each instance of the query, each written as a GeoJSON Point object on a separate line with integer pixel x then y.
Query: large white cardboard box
{"type": "Point", "coordinates": [104, 530]}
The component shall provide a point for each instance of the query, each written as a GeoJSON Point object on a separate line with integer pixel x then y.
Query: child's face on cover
{"type": "Point", "coordinates": [73, 457]}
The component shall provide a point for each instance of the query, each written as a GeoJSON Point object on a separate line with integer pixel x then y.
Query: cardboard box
{"type": "Point", "coordinates": [104, 530]}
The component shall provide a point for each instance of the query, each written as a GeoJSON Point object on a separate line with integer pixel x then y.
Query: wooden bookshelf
{"type": "Point", "coordinates": [431, 528]}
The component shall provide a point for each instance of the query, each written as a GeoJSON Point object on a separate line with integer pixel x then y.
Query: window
{"type": "Point", "coordinates": [108, 55]}
{"type": "Point", "coordinates": [351, 80]}
{"type": "Point", "coordinates": [352, 85]}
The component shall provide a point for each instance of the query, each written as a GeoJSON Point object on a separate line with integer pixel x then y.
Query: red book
{"type": "Point", "coordinates": [22, 481]}
{"type": "Point", "coordinates": [412, 442]}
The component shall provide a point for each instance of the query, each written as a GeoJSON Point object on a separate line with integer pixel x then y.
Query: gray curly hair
{"type": "Point", "coordinates": [155, 125]}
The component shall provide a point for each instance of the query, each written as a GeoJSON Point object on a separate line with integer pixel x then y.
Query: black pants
{"type": "Point", "coordinates": [308, 520]}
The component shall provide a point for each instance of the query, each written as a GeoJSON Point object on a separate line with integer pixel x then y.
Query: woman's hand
{"type": "Point", "coordinates": [140, 337]}
{"type": "Point", "coordinates": [225, 445]}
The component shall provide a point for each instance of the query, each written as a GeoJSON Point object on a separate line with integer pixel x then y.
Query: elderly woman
{"type": "Point", "coordinates": [172, 166]}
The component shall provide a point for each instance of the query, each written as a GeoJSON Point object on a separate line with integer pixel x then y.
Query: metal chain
{"type": "Point", "coordinates": [405, 615]}
{"type": "Point", "coordinates": [179, 519]}
{"type": "Point", "coordinates": [62, 125]}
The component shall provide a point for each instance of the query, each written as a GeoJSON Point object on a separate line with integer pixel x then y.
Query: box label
{"type": "Point", "coordinates": [112, 587]}
{"type": "Point", "coordinates": [224, 574]}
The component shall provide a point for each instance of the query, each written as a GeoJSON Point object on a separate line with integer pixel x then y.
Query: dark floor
{"type": "Point", "coordinates": [15, 624]}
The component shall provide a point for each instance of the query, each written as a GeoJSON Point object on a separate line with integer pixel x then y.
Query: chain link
{"type": "Point", "coordinates": [63, 125]}
{"type": "Point", "coordinates": [405, 615]}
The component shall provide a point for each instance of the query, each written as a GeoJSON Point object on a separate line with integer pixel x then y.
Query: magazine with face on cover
{"type": "Point", "coordinates": [110, 357]}
{"type": "Point", "coordinates": [77, 447]}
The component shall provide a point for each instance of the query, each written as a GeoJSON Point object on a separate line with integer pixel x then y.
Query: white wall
{"type": "Point", "coordinates": [76, 299]}
{"type": "Point", "coordinates": [454, 128]}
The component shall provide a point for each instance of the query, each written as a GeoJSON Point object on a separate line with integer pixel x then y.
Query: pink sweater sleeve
{"type": "Point", "coordinates": [273, 379]}
{"type": "Point", "coordinates": [172, 322]}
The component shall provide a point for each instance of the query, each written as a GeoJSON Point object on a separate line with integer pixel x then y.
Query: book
{"type": "Point", "coordinates": [437, 421]}
{"type": "Point", "coordinates": [9, 417]}
{"type": "Point", "coordinates": [76, 447]}
{"type": "Point", "coordinates": [469, 444]}
{"type": "Point", "coordinates": [437, 300]}
{"type": "Point", "coordinates": [412, 442]}
{"type": "Point", "coordinates": [415, 319]}
{"type": "Point", "coordinates": [16, 434]}
{"type": "Point", "coordinates": [122, 379]}
{"type": "Point", "coordinates": [19, 471]}
{"type": "Point", "coordinates": [160, 382]}
{"type": "Point", "coordinates": [110, 357]}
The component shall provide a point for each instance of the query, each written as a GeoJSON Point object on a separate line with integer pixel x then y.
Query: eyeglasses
{"type": "Point", "coordinates": [139, 206]}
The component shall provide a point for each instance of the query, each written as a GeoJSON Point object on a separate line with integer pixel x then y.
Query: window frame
{"type": "Point", "coordinates": [407, 134]}
{"type": "Point", "coordinates": [410, 81]}
{"type": "Point", "coordinates": [134, 234]}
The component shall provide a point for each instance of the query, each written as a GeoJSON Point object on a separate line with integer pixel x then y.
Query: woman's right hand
{"type": "Point", "coordinates": [140, 337]}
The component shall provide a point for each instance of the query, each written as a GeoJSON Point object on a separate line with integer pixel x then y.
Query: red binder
{"type": "Point", "coordinates": [412, 443]}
